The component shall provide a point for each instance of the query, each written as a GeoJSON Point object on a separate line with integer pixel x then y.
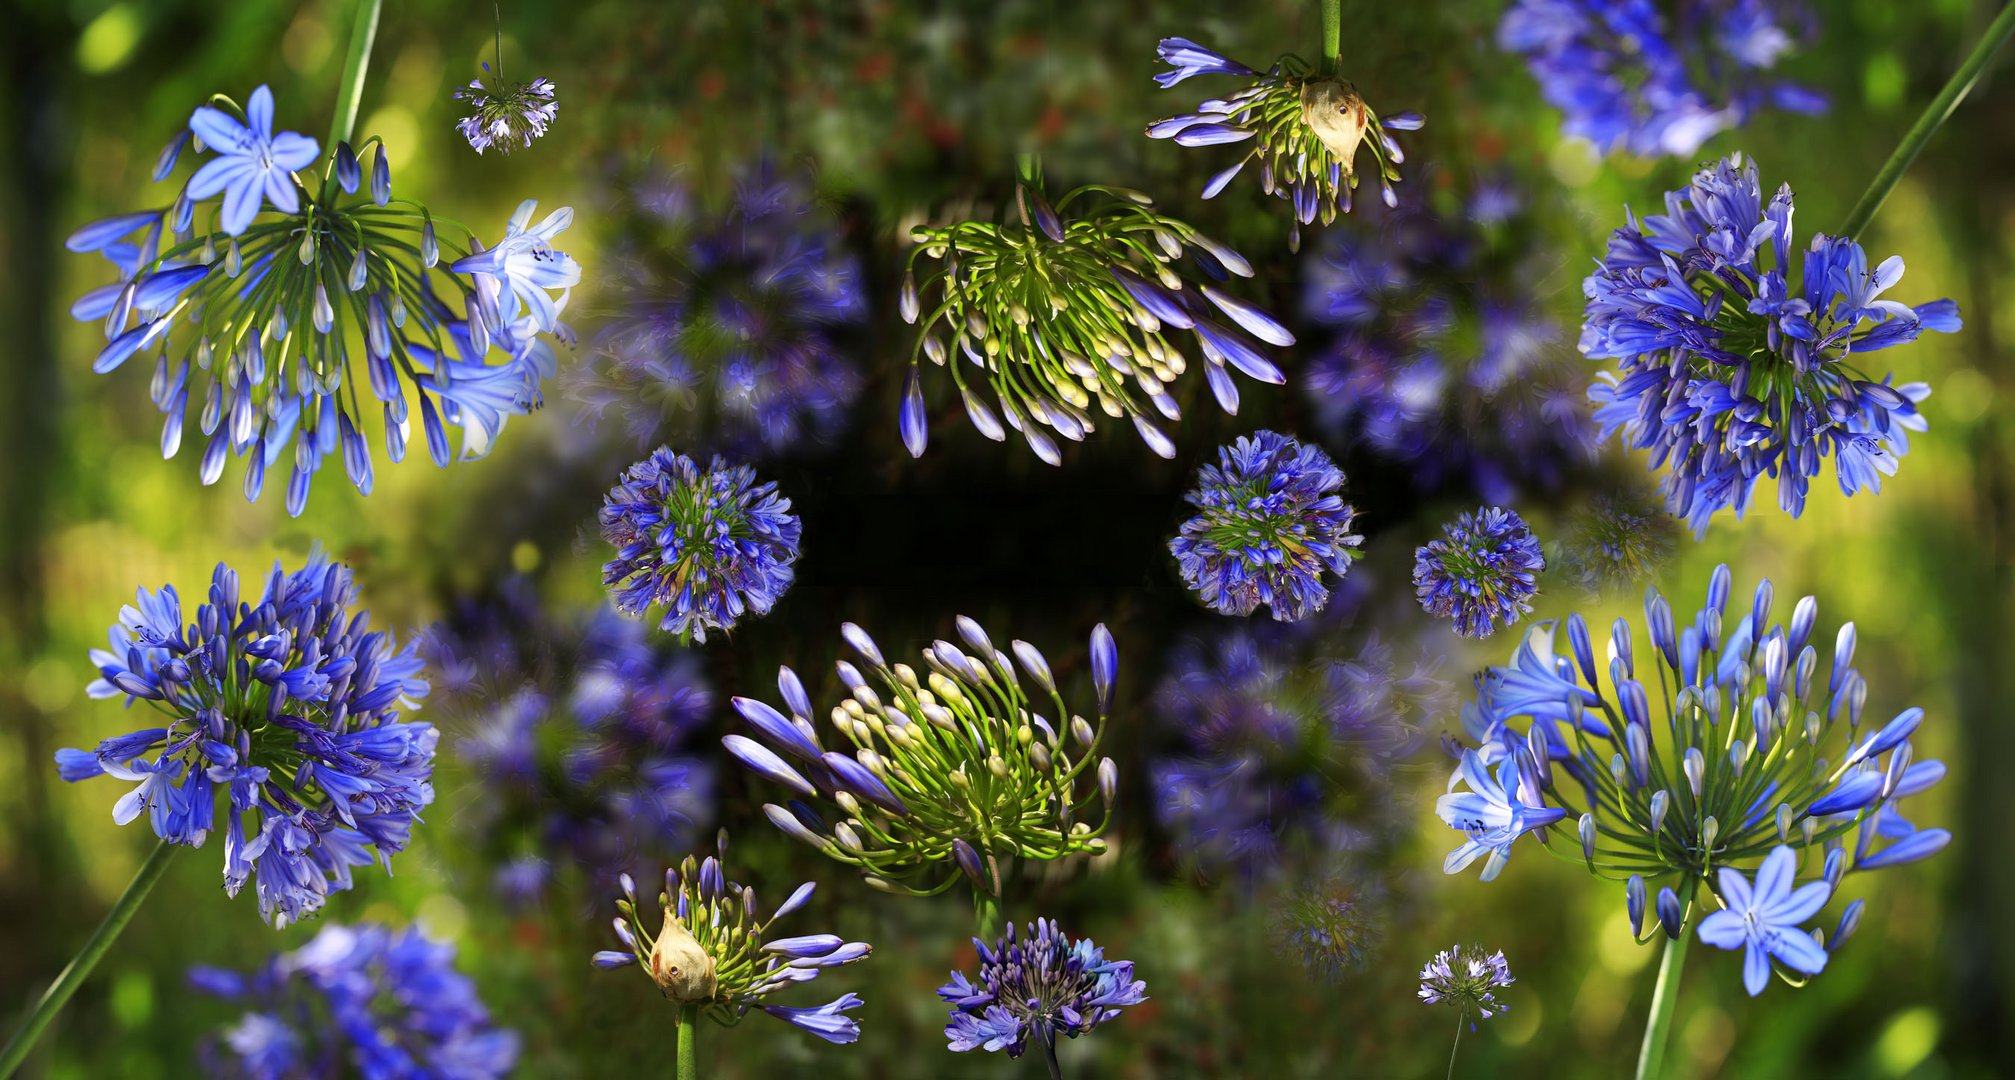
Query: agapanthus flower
{"type": "Point", "coordinates": [712, 952]}
{"type": "Point", "coordinates": [506, 112]}
{"type": "Point", "coordinates": [1728, 370]}
{"type": "Point", "coordinates": [1482, 572]}
{"type": "Point", "coordinates": [951, 775]}
{"type": "Point", "coordinates": [1618, 539]}
{"type": "Point", "coordinates": [1064, 315]}
{"type": "Point", "coordinates": [363, 1001]}
{"type": "Point", "coordinates": [711, 546]}
{"type": "Point", "coordinates": [1270, 523]}
{"type": "Point", "coordinates": [1329, 927]}
{"type": "Point", "coordinates": [580, 732]}
{"type": "Point", "coordinates": [271, 314]}
{"type": "Point", "coordinates": [1659, 79]}
{"type": "Point", "coordinates": [1466, 978]}
{"type": "Point", "coordinates": [1040, 986]}
{"type": "Point", "coordinates": [1445, 361]}
{"type": "Point", "coordinates": [1304, 128]}
{"type": "Point", "coordinates": [1751, 765]}
{"type": "Point", "coordinates": [287, 707]}
{"type": "Point", "coordinates": [1761, 918]}
{"type": "Point", "coordinates": [729, 326]}
{"type": "Point", "coordinates": [1285, 746]}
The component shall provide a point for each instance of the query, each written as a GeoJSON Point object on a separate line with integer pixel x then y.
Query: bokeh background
{"type": "Point", "coordinates": [893, 113]}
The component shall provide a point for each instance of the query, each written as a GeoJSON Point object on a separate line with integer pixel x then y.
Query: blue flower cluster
{"type": "Point", "coordinates": [1305, 130]}
{"type": "Point", "coordinates": [709, 546]}
{"type": "Point", "coordinates": [1039, 986]}
{"type": "Point", "coordinates": [1659, 79]}
{"type": "Point", "coordinates": [1445, 361]}
{"type": "Point", "coordinates": [1481, 573]}
{"type": "Point", "coordinates": [581, 731]}
{"type": "Point", "coordinates": [1729, 370]}
{"type": "Point", "coordinates": [1332, 926]}
{"type": "Point", "coordinates": [506, 111]}
{"type": "Point", "coordinates": [362, 1001]}
{"type": "Point", "coordinates": [1271, 521]}
{"type": "Point", "coordinates": [265, 317]}
{"type": "Point", "coordinates": [287, 705]}
{"type": "Point", "coordinates": [1286, 747]}
{"type": "Point", "coordinates": [1740, 770]}
{"type": "Point", "coordinates": [1468, 979]}
{"type": "Point", "coordinates": [729, 328]}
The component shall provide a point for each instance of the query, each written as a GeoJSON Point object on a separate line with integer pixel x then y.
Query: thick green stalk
{"type": "Point", "coordinates": [689, 1062]}
{"type": "Point", "coordinates": [87, 958]}
{"type": "Point", "coordinates": [1028, 169]}
{"type": "Point", "coordinates": [1927, 125]}
{"type": "Point", "coordinates": [351, 91]}
{"type": "Point", "coordinates": [1332, 34]}
{"type": "Point", "coordinates": [987, 912]}
{"type": "Point", "coordinates": [1664, 1003]}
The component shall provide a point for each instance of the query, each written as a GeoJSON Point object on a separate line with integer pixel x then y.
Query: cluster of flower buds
{"type": "Point", "coordinates": [950, 773]}
{"type": "Point", "coordinates": [1070, 317]}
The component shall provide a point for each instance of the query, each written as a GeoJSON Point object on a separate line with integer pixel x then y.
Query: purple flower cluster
{"type": "Point", "coordinates": [1729, 370]}
{"type": "Point", "coordinates": [1468, 979]}
{"type": "Point", "coordinates": [1039, 986]}
{"type": "Point", "coordinates": [356, 1001]}
{"type": "Point", "coordinates": [1480, 573]}
{"type": "Point", "coordinates": [729, 330]}
{"type": "Point", "coordinates": [1659, 79]}
{"type": "Point", "coordinates": [288, 706]}
{"type": "Point", "coordinates": [506, 111]}
{"type": "Point", "coordinates": [709, 546]}
{"type": "Point", "coordinates": [581, 732]}
{"type": "Point", "coordinates": [1271, 521]}
{"type": "Point", "coordinates": [1444, 360]}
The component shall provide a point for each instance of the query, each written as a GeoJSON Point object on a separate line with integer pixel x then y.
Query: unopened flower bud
{"type": "Point", "coordinates": [681, 968]}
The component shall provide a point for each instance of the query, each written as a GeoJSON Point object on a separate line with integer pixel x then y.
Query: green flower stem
{"type": "Point", "coordinates": [1927, 125]}
{"type": "Point", "coordinates": [87, 958]}
{"type": "Point", "coordinates": [1664, 1003]}
{"type": "Point", "coordinates": [1049, 1056]}
{"type": "Point", "coordinates": [351, 91]}
{"type": "Point", "coordinates": [1461, 1016]}
{"type": "Point", "coordinates": [1332, 34]}
{"type": "Point", "coordinates": [987, 912]}
{"type": "Point", "coordinates": [689, 1065]}
{"type": "Point", "coordinates": [1028, 169]}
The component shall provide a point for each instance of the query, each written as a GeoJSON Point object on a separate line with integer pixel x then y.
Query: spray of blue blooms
{"type": "Point", "coordinates": [1481, 573]}
{"type": "Point", "coordinates": [266, 318]}
{"type": "Point", "coordinates": [1270, 524]}
{"type": "Point", "coordinates": [1755, 783]}
{"type": "Point", "coordinates": [362, 1001]}
{"type": "Point", "coordinates": [1040, 986]}
{"type": "Point", "coordinates": [1731, 366]}
{"type": "Point", "coordinates": [284, 705]}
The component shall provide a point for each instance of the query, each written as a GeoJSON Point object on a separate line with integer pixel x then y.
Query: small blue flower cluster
{"type": "Point", "coordinates": [1468, 979]}
{"type": "Point", "coordinates": [1481, 573]}
{"type": "Point", "coordinates": [506, 111]}
{"type": "Point", "coordinates": [1659, 79]}
{"type": "Point", "coordinates": [1042, 985]}
{"type": "Point", "coordinates": [362, 1001]}
{"type": "Point", "coordinates": [1729, 370]}
{"type": "Point", "coordinates": [1271, 522]}
{"type": "Point", "coordinates": [289, 706]}
{"type": "Point", "coordinates": [709, 546]}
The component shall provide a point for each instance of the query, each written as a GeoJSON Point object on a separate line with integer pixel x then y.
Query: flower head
{"type": "Point", "coordinates": [279, 323]}
{"type": "Point", "coordinates": [287, 707]}
{"type": "Point", "coordinates": [731, 326]}
{"type": "Point", "coordinates": [712, 951]}
{"type": "Point", "coordinates": [1659, 79]}
{"type": "Point", "coordinates": [580, 731]}
{"type": "Point", "coordinates": [1468, 979]}
{"type": "Point", "coordinates": [1754, 765]}
{"type": "Point", "coordinates": [363, 1000]}
{"type": "Point", "coordinates": [953, 773]}
{"type": "Point", "coordinates": [1040, 986]}
{"type": "Point", "coordinates": [1271, 521]}
{"type": "Point", "coordinates": [506, 112]}
{"type": "Point", "coordinates": [710, 546]}
{"type": "Point", "coordinates": [1064, 314]}
{"type": "Point", "coordinates": [1304, 128]}
{"type": "Point", "coordinates": [1286, 745]}
{"type": "Point", "coordinates": [1618, 539]}
{"type": "Point", "coordinates": [1728, 369]}
{"type": "Point", "coordinates": [1329, 927]}
{"type": "Point", "coordinates": [1445, 361]}
{"type": "Point", "coordinates": [1482, 571]}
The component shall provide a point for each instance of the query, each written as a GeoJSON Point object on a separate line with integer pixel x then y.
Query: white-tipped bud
{"type": "Point", "coordinates": [681, 968]}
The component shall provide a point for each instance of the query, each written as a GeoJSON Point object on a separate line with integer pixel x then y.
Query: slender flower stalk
{"type": "Point", "coordinates": [1070, 316]}
{"type": "Point", "coordinates": [951, 775]}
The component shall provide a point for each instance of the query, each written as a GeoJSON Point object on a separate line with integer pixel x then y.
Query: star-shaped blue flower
{"type": "Point", "coordinates": [252, 163]}
{"type": "Point", "coordinates": [1490, 814]}
{"type": "Point", "coordinates": [1763, 920]}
